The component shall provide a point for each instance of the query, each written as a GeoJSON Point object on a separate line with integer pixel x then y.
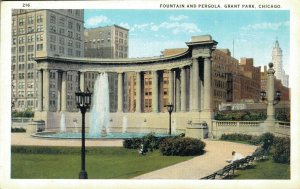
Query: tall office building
{"type": "Point", "coordinates": [40, 32]}
{"type": "Point", "coordinates": [277, 60]}
{"type": "Point", "coordinates": [107, 42]}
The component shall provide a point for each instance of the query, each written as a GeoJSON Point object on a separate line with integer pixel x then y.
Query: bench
{"type": "Point", "coordinates": [209, 177]}
{"type": "Point", "coordinates": [223, 173]}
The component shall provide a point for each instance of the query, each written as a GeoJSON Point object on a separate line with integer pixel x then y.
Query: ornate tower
{"type": "Point", "coordinates": [277, 60]}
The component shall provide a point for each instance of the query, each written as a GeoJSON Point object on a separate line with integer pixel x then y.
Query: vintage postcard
{"type": "Point", "coordinates": [166, 94]}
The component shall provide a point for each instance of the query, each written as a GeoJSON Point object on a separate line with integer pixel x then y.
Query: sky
{"type": "Point", "coordinates": [251, 33]}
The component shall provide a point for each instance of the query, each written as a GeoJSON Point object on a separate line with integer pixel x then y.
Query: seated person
{"type": "Point", "coordinates": [236, 156]}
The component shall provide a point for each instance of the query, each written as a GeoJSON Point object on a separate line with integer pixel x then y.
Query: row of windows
{"type": "Point", "coordinates": [30, 20]}
{"type": "Point", "coordinates": [30, 39]}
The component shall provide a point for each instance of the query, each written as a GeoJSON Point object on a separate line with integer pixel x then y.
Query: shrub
{"type": "Point", "coordinates": [266, 140]}
{"type": "Point", "coordinates": [281, 150]}
{"type": "Point", "coordinates": [18, 130]}
{"type": "Point", "coordinates": [27, 113]}
{"type": "Point", "coordinates": [179, 146]}
{"type": "Point", "coordinates": [132, 143]}
{"type": "Point", "coordinates": [149, 141]}
{"type": "Point", "coordinates": [236, 137]}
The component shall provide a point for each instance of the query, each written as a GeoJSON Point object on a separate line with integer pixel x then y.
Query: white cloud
{"type": "Point", "coordinates": [174, 27]}
{"type": "Point", "coordinates": [125, 25]}
{"type": "Point", "coordinates": [266, 26]}
{"type": "Point", "coordinates": [178, 17]}
{"type": "Point", "coordinates": [96, 20]}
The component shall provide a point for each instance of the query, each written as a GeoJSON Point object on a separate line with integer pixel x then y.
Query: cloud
{"type": "Point", "coordinates": [174, 27]}
{"type": "Point", "coordinates": [96, 20]}
{"type": "Point", "coordinates": [178, 17]}
{"type": "Point", "coordinates": [266, 26]}
{"type": "Point", "coordinates": [125, 25]}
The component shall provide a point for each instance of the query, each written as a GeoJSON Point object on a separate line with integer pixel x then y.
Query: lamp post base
{"type": "Point", "coordinates": [83, 175]}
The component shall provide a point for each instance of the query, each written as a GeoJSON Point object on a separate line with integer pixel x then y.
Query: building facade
{"type": "Point", "coordinates": [106, 42]}
{"type": "Point", "coordinates": [36, 33]}
{"type": "Point", "coordinates": [250, 80]}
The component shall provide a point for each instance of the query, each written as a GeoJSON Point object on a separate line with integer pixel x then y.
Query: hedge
{"type": "Point", "coordinates": [182, 147]}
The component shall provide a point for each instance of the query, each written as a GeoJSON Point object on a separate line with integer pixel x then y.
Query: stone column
{"type": "Point", "coordinates": [183, 89]}
{"type": "Point", "coordinates": [270, 94]}
{"type": "Point", "coordinates": [81, 81]}
{"type": "Point", "coordinates": [138, 92]}
{"type": "Point", "coordinates": [195, 86]}
{"type": "Point", "coordinates": [171, 87]}
{"type": "Point", "coordinates": [207, 84]}
{"type": "Point", "coordinates": [59, 85]}
{"type": "Point", "coordinates": [120, 92]}
{"type": "Point", "coordinates": [177, 91]}
{"type": "Point", "coordinates": [46, 87]}
{"type": "Point", "coordinates": [64, 91]}
{"type": "Point", "coordinates": [40, 90]}
{"type": "Point", "coordinates": [154, 91]}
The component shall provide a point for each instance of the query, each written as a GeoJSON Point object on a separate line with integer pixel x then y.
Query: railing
{"type": "Point", "coordinates": [21, 120]}
{"type": "Point", "coordinates": [283, 124]}
{"type": "Point", "coordinates": [236, 123]}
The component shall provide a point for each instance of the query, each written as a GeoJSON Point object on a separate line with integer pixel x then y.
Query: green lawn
{"type": "Point", "coordinates": [101, 163]}
{"type": "Point", "coordinates": [265, 170]}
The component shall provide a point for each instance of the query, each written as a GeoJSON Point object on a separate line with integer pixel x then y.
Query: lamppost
{"type": "Point", "coordinates": [170, 110]}
{"type": "Point", "coordinates": [83, 101]}
{"type": "Point", "coordinates": [268, 96]}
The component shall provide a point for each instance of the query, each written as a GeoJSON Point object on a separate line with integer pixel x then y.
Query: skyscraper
{"type": "Point", "coordinates": [277, 60]}
{"type": "Point", "coordinates": [40, 32]}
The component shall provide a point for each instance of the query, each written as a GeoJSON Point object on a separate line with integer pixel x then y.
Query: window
{"type": "Point", "coordinates": [21, 21]}
{"type": "Point", "coordinates": [53, 38]}
{"type": "Point", "coordinates": [70, 25]}
{"type": "Point", "coordinates": [30, 48]}
{"type": "Point", "coordinates": [21, 49]}
{"type": "Point", "coordinates": [52, 19]}
{"type": "Point", "coordinates": [61, 40]}
{"type": "Point", "coordinates": [61, 31]}
{"type": "Point", "coordinates": [22, 31]}
{"type": "Point", "coordinates": [78, 36]}
{"type": "Point", "coordinates": [39, 18]}
{"type": "Point", "coordinates": [70, 34]}
{"type": "Point", "coordinates": [30, 38]}
{"type": "Point", "coordinates": [14, 41]}
{"type": "Point", "coordinates": [14, 32]}
{"type": "Point", "coordinates": [30, 20]}
{"type": "Point", "coordinates": [21, 59]}
{"type": "Point", "coordinates": [52, 28]}
{"type": "Point", "coordinates": [77, 12]}
{"type": "Point", "coordinates": [70, 43]}
{"type": "Point", "coordinates": [61, 50]}
{"type": "Point", "coordinates": [39, 37]}
{"type": "Point", "coordinates": [39, 28]}
{"type": "Point", "coordinates": [21, 40]}
{"type": "Point", "coordinates": [21, 76]}
{"type": "Point", "coordinates": [30, 58]}
{"type": "Point", "coordinates": [70, 52]}
{"type": "Point", "coordinates": [78, 53]}
{"type": "Point", "coordinates": [30, 30]}
{"type": "Point", "coordinates": [14, 22]}
{"type": "Point", "coordinates": [61, 21]}
{"type": "Point", "coordinates": [52, 47]}
{"type": "Point", "coordinates": [39, 47]}
{"type": "Point", "coordinates": [78, 27]}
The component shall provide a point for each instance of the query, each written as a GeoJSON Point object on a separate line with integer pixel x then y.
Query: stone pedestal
{"type": "Point", "coordinates": [35, 126]}
{"type": "Point", "coordinates": [197, 130]}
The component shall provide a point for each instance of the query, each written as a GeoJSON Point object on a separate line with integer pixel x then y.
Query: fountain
{"type": "Point", "coordinates": [174, 126]}
{"type": "Point", "coordinates": [99, 114]}
{"type": "Point", "coordinates": [124, 124]}
{"type": "Point", "coordinates": [63, 123]}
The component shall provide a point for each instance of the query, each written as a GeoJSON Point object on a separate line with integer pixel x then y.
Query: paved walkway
{"type": "Point", "coordinates": [217, 152]}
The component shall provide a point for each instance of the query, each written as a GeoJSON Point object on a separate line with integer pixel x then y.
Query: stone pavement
{"type": "Point", "coordinates": [217, 152]}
